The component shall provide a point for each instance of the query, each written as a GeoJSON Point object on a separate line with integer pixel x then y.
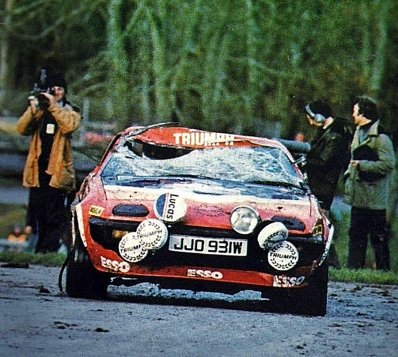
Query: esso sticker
{"type": "Point", "coordinates": [131, 248]}
{"type": "Point", "coordinates": [283, 281]}
{"type": "Point", "coordinates": [114, 265]}
{"type": "Point", "coordinates": [170, 207]}
{"type": "Point", "coordinates": [199, 273]}
{"type": "Point", "coordinates": [283, 256]}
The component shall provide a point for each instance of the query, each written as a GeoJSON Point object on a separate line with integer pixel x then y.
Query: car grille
{"type": "Point", "coordinates": [256, 259]}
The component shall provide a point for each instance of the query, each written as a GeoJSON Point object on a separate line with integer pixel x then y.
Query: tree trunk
{"type": "Point", "coordinates": [145, 92]}
{"type": "Point", "coordinates": [4, 54]}
{"type": "Point", "coordinates": [162, 93]}
{"type": "Point", "coordinates": [252, 68]}
{"type": "Point", "coordinates": [381, 49]}
{"type": "Point", "coordinates": [117, 57]}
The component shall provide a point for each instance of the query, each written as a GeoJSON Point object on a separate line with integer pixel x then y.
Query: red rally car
{"type": "Point", "coordinates": [198, 210]}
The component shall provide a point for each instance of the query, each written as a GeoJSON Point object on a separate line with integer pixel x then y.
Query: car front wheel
{"type": "Point", "coordinates": [82, 279]}
{"type": "Point", "coordinates": [310, 300]}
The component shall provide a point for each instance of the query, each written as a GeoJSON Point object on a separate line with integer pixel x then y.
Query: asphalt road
{"type": "Point", "coordinates": [39, 320]}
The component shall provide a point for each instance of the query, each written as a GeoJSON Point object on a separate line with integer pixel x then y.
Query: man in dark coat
{"type": "Point", "coordinates": [328, 156]}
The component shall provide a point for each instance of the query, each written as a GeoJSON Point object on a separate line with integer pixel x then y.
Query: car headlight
{"type": "Point", "coordinates": [244, 219]}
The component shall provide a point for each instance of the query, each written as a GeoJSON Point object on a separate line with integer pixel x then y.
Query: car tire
{"type": "Point", "coordinates": [310, 300]}
{"type": "Point", "coordinates": [82, 279]}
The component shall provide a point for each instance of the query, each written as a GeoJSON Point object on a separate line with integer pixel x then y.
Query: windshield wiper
{"type": "Point", "coordinates": [189, 176]}
{"type": "Point", "coordinates": [275, 183]}
{"type": "Point", "coordinates": [152, 179]}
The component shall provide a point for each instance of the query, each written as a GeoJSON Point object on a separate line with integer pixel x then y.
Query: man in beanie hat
{"type": "Point", "coordinates": [49, 171]}
{"type": "Point", "coordinates": [367, 182]}
{"type": "Point", "coordinates": [57, 80]}
{"type": "Point", "coordinates": [325, 161]}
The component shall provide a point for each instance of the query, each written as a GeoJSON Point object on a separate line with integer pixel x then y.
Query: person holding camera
{"type": "Point", "coordinates": [50, 119]}
{"type": "Point", "coordinates": [328, 157]}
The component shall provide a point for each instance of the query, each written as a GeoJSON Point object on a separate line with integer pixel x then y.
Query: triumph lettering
{"type": "Point", "coordinates": [203, 139]}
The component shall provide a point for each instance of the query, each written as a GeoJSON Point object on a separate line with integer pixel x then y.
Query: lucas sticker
{"type": "Point", "coordinates": [170, 207]}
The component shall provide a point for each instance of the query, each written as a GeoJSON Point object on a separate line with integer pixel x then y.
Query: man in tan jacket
{"type": "Point", "coordinates": [49, 171]}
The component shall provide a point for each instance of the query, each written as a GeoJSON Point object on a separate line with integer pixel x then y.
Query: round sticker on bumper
{"type": "Point", "coordinates": [170, 207]}
{"type": "Point", "coordinates": [131, 248]}
{"type": "Point", "coordinates": [153, 233]}
{"type": "Point", "coordinates": [283, 256]}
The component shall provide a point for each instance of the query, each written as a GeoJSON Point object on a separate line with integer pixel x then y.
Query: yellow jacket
{"type": "Point", "coordinates": [60, 165]}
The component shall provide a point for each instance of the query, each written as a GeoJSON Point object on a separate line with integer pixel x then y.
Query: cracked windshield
{"type": "Point", "coordinates": [250, 165]}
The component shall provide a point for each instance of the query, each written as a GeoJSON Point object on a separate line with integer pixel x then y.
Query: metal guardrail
{"type": "Point", "coordinates": [12, 162]}
{"type": "Point", "coordinates": [14, 149]}
{"type": "Point", "coordinates": [7, 246]}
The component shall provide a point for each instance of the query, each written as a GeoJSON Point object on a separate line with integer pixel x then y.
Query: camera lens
{"type": "Point", "coordinates": [43, 102]}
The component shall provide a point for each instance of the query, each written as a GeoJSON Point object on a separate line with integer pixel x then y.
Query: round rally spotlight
{"type": "Point", "coordinates": [153, 233]}
{"type": "Point", "coordinates": [283, 256]}
{"type": "Point", "coordinates": [244, 219]}
{"type": "Point", "coordinates": [131, 248]}
{"type": "Point", "coordinates": [272, 233]}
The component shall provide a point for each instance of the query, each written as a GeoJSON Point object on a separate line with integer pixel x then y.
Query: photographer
{"type": "Point", "coordinates": [49, 173]}
{"type": "Point", "coordinates": [328, 156]}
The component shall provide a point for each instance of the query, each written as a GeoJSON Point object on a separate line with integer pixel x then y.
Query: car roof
{"type": "Point", "coordinates": [173, 135]}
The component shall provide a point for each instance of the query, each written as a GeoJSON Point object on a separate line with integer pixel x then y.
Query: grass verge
{"type": "Point", "coordinates": [50, 259]}
{"type": "Point", "coordinates": [364, 276]}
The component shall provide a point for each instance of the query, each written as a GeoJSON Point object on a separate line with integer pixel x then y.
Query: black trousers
{"type": "Point", "coordinates": [367, 223]}
{"type": "Point", "coordinates": [48, 215]}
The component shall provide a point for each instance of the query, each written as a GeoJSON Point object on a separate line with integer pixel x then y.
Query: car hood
{"type": "Point", "coordinates": [208, 204]}
{"type": "Point", "coordinates": [204, 187]}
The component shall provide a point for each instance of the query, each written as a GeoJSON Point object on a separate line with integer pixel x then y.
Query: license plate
{"type": "Point", "coordinates": [204, 245]}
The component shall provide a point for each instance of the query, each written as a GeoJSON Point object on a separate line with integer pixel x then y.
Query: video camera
{"type": "Point", "coordinates": [39, 88]}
